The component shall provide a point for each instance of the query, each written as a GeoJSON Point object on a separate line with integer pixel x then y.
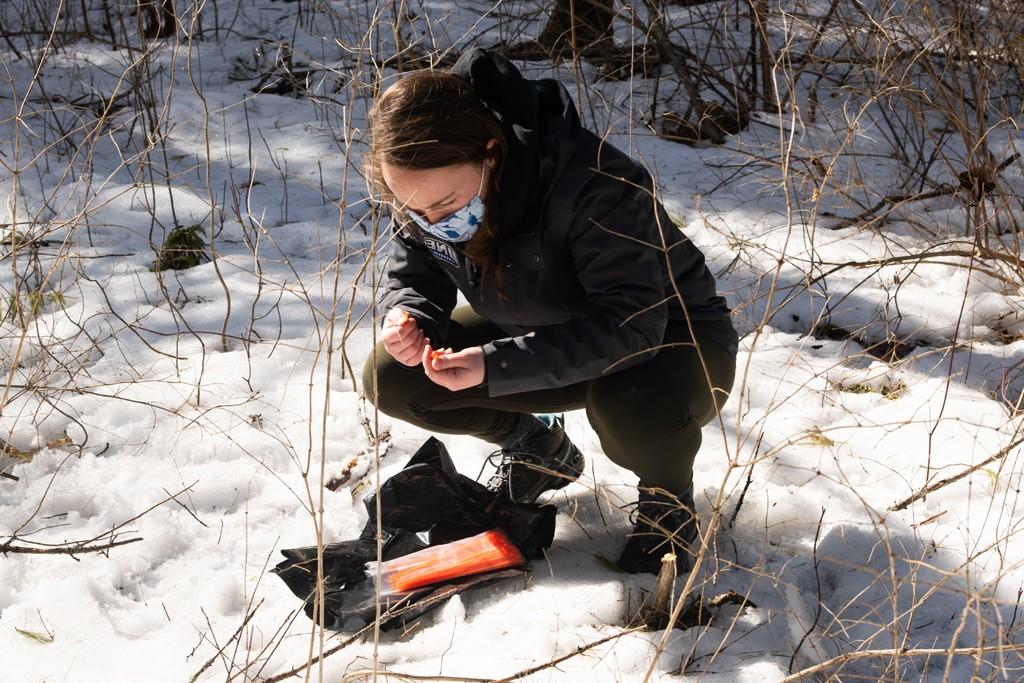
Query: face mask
{"type": "Point", "coordinates": [461, 225]}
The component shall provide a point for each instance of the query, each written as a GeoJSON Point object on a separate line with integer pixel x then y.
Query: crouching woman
{"type": "Point", "coordinates": [581, 294]}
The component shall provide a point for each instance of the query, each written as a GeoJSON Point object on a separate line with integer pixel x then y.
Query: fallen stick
{"type": "Point", "coordinates": [902, 652]}
{"type": "Point", "coordinates": [956, 477]}
{"type": "Point", "coordinates": [357, 675]}
{"type": "Point", "coordinates": [396, 610]}
{"type": "Point", "coordinates": [70, 549]}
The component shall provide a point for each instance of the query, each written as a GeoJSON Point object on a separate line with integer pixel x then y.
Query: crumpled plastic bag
{"type": "Point", "coordinates": [427, 503]}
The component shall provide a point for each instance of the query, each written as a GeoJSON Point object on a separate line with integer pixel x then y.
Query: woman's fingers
{"type": "Point", "coordinates": [407, 356]}
{"type": "Point", "coordinates": [409, 353]}
{"type": "Point", "coordinates": [431, 359]}
{"type": "Point", "coordinates": [444, 359]}
{"type": "Point", "coordinates": [397, 317]}
{"type": "Point", "coordinates": [405, 341]}
{"type": "Point", "coordinates": [454, 370]}
{"type": "Point", "coordinates": [402, 337]}
{"type": "Point", "coordinates": [426, 357]}
{"type": "Point", "coordinates": [405, 329]}
{"type": "Point", "coordinates": [405, 338]}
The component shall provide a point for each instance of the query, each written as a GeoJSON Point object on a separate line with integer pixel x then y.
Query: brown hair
{"type": "Point", "coordinates": [430, 119]}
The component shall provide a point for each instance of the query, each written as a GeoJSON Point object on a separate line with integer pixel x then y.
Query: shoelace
{"type": "Point", "coordinates": [647, 525]}
{"type": "Point", "coordinates": [633, 510]}
{"type": "Point", "coordinates": [508, 457]}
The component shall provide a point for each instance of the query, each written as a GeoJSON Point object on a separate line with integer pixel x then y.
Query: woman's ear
{"type": "Point", "coordinates": [491, 148]}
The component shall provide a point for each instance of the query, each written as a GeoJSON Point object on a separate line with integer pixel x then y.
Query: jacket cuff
{"type": "Point", "coordinates": [499, 370]}
{"type": "Point", "coordinates": [435, 330]}
{"type": "Point", "coordinates": [502, 374]}
{"type": "Point", "coordinates": [432, 330]}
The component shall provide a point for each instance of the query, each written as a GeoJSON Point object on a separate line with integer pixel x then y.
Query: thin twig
{"type": "Point", "coordinates": [326, 653]}
{"type": "Point", "coordinates": [903, 504]}
{"type": "Point", "coordinates": [86, 545]}
{"type": "Point", "coordinates": [746, 485]}
{"type": "Point", "coordinates": [817, 581]}
{"type": "Point", "coordinates": [901, 652]}
{"type": "Point", "coordinates": [558, 660]}
{"type": "Point", "coordinates": [220, 650]}
{"type": "Point", "coordinates": [395, 611]}
{"type": "Point", "coordinates": [514, 677]}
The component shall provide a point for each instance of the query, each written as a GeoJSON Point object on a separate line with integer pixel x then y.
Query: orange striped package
{"type": "Point", "coordinates": [484, 552]}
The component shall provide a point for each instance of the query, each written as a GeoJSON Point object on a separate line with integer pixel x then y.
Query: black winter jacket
{"type": "Point", "coordinates": [593, 267]}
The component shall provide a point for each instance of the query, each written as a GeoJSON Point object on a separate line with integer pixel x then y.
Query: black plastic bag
{"type": "Point", "coordinates": [427, 503]}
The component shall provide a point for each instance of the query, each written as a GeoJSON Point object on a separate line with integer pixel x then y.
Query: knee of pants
{"type": "Point", "coordinates": [654, 442]}
{"type": "Point", "coordinates": [623, 408]}
{"type": "Point", "coordinates": [659, 452]}
{"type": "Point", "coordinates": [652, 426]}
{"type": "Point", "coordinates": [627, 438]}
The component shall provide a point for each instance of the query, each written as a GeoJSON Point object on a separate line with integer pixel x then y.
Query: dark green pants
{"type": "Point", "coordinates": [648, 416]}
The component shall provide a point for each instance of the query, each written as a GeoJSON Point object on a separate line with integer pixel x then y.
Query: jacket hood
{"type": "Point", "coordinates": [541, 126]}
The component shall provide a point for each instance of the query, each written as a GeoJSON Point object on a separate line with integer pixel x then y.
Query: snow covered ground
{"type": "Point", "coordinates": [199, 413]}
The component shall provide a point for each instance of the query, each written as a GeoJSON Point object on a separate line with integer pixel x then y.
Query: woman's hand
{"type": "Point", "coordinates": [402, 337]}
{"type": "Point", "coordinates": [454, 370]}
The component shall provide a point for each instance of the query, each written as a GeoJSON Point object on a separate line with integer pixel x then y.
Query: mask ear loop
{"type": "Point", "coordinates": [483, 168]}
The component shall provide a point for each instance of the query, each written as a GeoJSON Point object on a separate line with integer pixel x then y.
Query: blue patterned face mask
{"type": "Point", "coordinates": [461, 225]}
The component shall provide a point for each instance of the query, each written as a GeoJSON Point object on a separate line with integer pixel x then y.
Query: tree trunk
{"type": "Point", "coordinates": [156, 19]}
{"type": "Point", "coordinates": [578, 28]}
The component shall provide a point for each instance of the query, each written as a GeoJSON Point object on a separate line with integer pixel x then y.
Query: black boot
{"type": "Point", "coordinates": [665, 523]}
{"type": "Point", "coordinates": [537, 459]}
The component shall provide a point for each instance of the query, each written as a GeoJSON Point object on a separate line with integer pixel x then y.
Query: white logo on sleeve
{"type": "Point", "coordinates": [442, 251]}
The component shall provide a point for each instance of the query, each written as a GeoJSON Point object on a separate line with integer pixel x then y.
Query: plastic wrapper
{"type": "Point", "coordinates": [427, 504]}
{"type": "Point", "coordinates": [484, 552]}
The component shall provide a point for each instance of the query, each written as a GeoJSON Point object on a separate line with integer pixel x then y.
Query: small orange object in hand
{"type": "Point", "coordinates": [484, 552]}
